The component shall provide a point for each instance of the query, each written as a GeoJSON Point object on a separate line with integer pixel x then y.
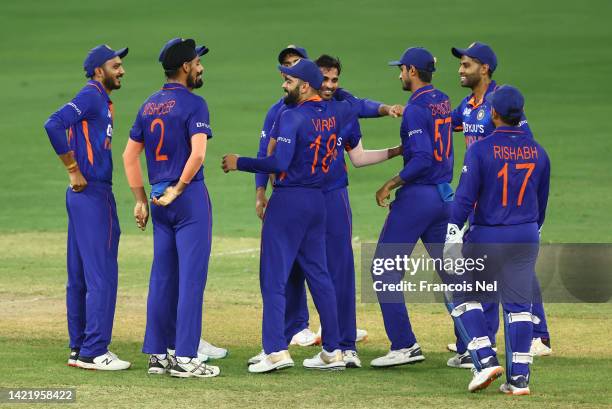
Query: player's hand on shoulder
{"type": "Point", "coordinates": [141, 214]}
{"type": "Point", "coordinates": [229, 162]}
{"type": "Point", "coordinates": [78, 183]}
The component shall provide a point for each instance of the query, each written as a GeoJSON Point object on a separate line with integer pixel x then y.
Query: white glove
{"type": "Point", "coordinates": [453, 244]}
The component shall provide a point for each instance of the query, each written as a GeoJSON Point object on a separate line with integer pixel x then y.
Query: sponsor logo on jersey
{"type": "Point", "coordinates": [281, 139]}
{"type": "Point", "coordinates": [76, 108]}
{"type": "Point", "coordinates": [263, 134]}
{"type": "Point", "coordinates": [202, 125]}
{"type": "Point", "coordinates": [523, 122]}
{"type": "Point", "coordinates": [473, 128]}
{"type": "Point", "coordinates": [464, 169]}
{"type": "Point", "coordinates": [415, 132]}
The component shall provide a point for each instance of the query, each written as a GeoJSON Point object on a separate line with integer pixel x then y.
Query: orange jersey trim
{"type": "Point", "coordinates": [90, 157]}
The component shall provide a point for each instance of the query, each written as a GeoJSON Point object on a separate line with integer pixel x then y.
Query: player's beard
{"type": "Point", "coordinates": [292, 97]}
{"type": "Point", "coordinates": [471, 81]}
{"type": "Point", "coordinates": [194, 82]}
{"type": "Point", "coordinates": [405, 84]}
{"type": "Point", "coordinates": [111, 83]}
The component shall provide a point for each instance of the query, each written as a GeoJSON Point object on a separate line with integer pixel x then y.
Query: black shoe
{"type": "Point", "coordinates": [158, 366]}
{"type": "Point", "coordinates": [74, 355]}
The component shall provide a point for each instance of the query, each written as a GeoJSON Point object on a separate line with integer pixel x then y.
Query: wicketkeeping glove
{"type": "Point", "coordinates": [453, 244]}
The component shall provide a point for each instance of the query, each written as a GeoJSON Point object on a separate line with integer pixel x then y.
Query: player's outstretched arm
{"type": "Point", "coordinates": [192, 166]}
{"type": "Point", "coordinates": [394, 111]}
{"type": "Point", "coordinates": [360, 157]}
{"type": "Point", "coordinates": [131, 164]}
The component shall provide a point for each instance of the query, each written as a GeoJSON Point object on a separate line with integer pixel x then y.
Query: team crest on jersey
{"type": "Point", "coordinates": [109, 114]}
{"type": "Point", "coordinates": [480, 115]}
{"type": "Point", "coordinates": [465, 169]}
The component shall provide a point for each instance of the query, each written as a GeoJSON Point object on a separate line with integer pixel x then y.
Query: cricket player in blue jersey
{"type": "Point", "coordinates": [173, 127]}
{"type": "Point", "coordinates": [341, 265]}
{"type": "Point", "coordinates": [295, 220]}
{"type": "Point", "coordinates": [421, 208]}
{"type": "Point", "coordinates": [473, 118]}
{"type": "Point", "coordinates": [504, 183]}
{"type": "Point", "coordinates": [93, 227]}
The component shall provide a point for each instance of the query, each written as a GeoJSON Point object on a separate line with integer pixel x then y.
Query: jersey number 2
{"type": "Point", "coordinates": [159, 157]}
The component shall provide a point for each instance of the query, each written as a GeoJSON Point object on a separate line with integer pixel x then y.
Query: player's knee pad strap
{"type": "Point", "coordinates": [465, 307]}
{"type": "Point", "coordinates": [524, 316]}
{"type": "Point", "coordinates": [522, 358]}
{"type": "Point", "coordinates": [478, 343]}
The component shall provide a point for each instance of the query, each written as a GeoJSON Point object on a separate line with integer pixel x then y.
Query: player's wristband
{"type": "Point", "coordinates": [73, 167]}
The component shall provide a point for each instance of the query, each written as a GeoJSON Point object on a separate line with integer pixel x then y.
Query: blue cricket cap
{"type": "Point", "coordinates": [480, 51]}
{"type": "Point", "coordinates": [422, 59]}
{"type": "Point", "coordinates": [178, 51]}
{"type": "Point", "coordinates": [292, 49]}
{"type": "Point", "coordinates": [507, 101]}
{"type": "Point", "coordinates": [97, 56]}
{"type": "Point", "coordinates": [305, 70]}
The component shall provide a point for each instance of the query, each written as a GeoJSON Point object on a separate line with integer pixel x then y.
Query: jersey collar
{"type": "Point", "coordinates": [97, 85]}
{"type": "Point", "coordinates": [316, 98]}
{"type": "Point", "coordinates": [421, 91]}
{"type": "Point", "coordinates": [174, 85]}
{"type": "Point", "coordinates": [475, 104]}
{"type": "Point", "coordinates": [509, 130]}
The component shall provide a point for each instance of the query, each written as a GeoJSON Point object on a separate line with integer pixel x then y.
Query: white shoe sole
{"type": "Point", "coordinates": [284, 364]}
{"type": "Point", "coordinates": [414, 360]}
{"type": "Point", "coordinates": [514, 392]}
{"type": "Point", "coordinates": [177, 374]}
{"type": "Point", "coordinates": [488, 380]}
{"type": "Point", "coordinates": [156, 371]}
{"type": "Point", "coordinates": [461, 366]}
{"type": "Point", "coordinates": [336, 366]}
{"type": "Point", "coordinates": [95, 367]}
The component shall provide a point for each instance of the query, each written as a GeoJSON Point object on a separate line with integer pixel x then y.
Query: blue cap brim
{"type": "Point", "coordinates": [459, 52]}
{"type": "Point", "coordinates": [121, 53]}
{"type": "Point", "coordinates": [201, 50]}
{"type": "Point", "coordinates": [395, 63]}
{"type": "Point", "coordinates": [286, 70]}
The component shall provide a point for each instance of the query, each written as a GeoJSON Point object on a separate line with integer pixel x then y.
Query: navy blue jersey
{"type": "Point", "coordinates": [505, 180]}
{"type": "Point", "coordinates": [426, 138]}
{"type": "Point", "coordinates": [306, 145]}
{"type": "Point", "coordinates": [88, 118]}
{"type": "Point", "coordinates": [261, 179]}
{"type": "Point", "coordinates": [165, 124]}
{"type": "Point", "coordinates": [473, 118]}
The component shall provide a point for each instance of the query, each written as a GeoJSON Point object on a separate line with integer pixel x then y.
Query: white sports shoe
{"type": "Point", "coordinates": [211, 351]}
{"type": "Point", "coordinates": [539, 348]}
{"type": "Point", "coordinates": [272, 362]}
{"type": "Point", "coordinates": [257, 358]}
{"type": "Point", "coordinates": [399, 357]}
{"type": "Point", "coordinates": [517, 386]}
{"type": "Point", "coordinates": [351, 359]}
{"type": "Point", "coordinates": [360, 335]}
{"type": "Point", "coordinates": [304, 338]}
{"type": "Point", "coordinates": [107, 362]}
{"type": "Point", "coordinates": [186, 367]}
{"type": "Point", "coordinates": [326, 361]}
{"type": "Point", "coordinates": [483, 378]}
{"type": "Point", "coordinates": [453, 347]}
{"type": "Point", "coordinates": [461, 361]}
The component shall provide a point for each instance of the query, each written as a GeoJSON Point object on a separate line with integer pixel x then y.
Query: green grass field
{"type": "Point", "coordinates": [557, 52]}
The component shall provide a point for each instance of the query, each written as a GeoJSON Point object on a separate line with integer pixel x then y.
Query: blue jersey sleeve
{"type": "Point", "coordinates": [416, 142]}
{"type": "Point", "coordinates": [199, 119]}
{"type": "Point", "coordinates": [71, 113]}
{"type": "Point", "coordinates": [468, 189]}
{"type": "Point", "coordinates": [363, 108]}
{"type": "Point", "coordinates": [280, 160]}
{"type": "Point", "coordinates": [261, 179]}
{"type": "Point", "coordinates": [457, 118]}
{"type": "Point", "coordinates": [543, 189]}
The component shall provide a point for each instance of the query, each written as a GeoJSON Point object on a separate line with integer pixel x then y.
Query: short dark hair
{"type": "Point", "coordinates": [489, 72]}
{"type": "Point", "coordinates": [329, 62]}
{"type": "Point", "coordinates": [172, 74]}
{"type": "Point", "coordinates": [510, 120]}
{"type": "Point", "coordinates": [424, 76]}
